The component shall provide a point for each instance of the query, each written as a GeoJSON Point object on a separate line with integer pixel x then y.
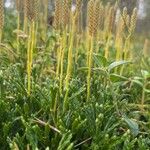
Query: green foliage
{"type": "Point", "coordinates": [113, 118]}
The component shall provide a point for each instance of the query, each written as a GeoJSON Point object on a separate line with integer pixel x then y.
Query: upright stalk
{"type": "Point", "coordinates": [31, 46]}
{"type": "Point", "coordinates": [62, 58]}
{"type": "Point", "coordinates": [69, 67]}
{"type": "Point", "coordinates": [91, 41]}
{"type": "Point", "coordinates": [18, 28]}
{"type": "Point", "coordinates": [143, 93]}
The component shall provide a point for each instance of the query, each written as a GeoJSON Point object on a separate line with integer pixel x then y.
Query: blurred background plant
{"type": "Point", "coordinates": [142, 5]}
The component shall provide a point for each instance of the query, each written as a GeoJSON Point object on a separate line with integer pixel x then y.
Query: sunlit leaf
{"type": "Point", "coordinates": [117, 64]}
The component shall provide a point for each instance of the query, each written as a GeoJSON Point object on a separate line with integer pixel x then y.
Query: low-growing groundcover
{"type": "Point", "coordinates": [110, 120]}
{"type": "Point", "coordinates": [67, 88]}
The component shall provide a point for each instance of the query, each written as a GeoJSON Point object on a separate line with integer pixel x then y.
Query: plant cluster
{"type": "Point", "coordinates": [67, 86]}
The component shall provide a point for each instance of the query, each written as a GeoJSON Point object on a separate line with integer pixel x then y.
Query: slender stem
{"type": "Point", "coordinates": [90, 60]}
{"type": "Point", "coordinates": [18, 28]}
{"type": "Point", "coordinates": [0, 35]}
{"type": "Point", "coordinates": [31, 45]}
{"type": "Point", "coordinates": [125, 51]}
{"type": "Point", "coordinates": [45, 19]}
{"type": "Point", "coordinates": [107, 46]}
{"type": "Point", "coordinates": [25, 24]}
{"type": "Point", "coordinates": [77, 48]}
{"type": "Point", "coordinates": [69, 67]}
{"type": "Point", "coordinates": [58, 57]}
{"type": "Point", "coordinates": [62, 59]}
{"type": "Point", "coordinates": [28, 63]}
{"type": "Point", "coordinates": [143, 95]}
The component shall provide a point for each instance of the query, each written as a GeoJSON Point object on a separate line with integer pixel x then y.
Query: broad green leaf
{"type": "Point", "coordinates": [116, 77]}
{"type": "Point", "coordinates": [147, 91]}
{"type": "Point", "coordinates": [138, 78]}
{"type": "Point", "coordinates": [99, 60]}
{"type": "Point", "coordinates": [117, 64]}
{"type": "Point", "coordinates": [145, 74]}
{"type": "Point", "coordinates": [138, 83]}
{"type": "Point", "coordinates": [134, 127]}
{"type": "Point", "coordinates": [102, 71]}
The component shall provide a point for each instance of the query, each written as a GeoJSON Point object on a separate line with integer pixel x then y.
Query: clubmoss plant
{"type": "Point", "coordinates": [32, 13]}
{"type": "Point", "coordinates": [73, 99]}
{"type": "Point", "coordinates": [70, 59]}
{"type": "Point", "coordinates": [128, 38]}
{"type": "Point", "coordinates": [18, 5]}
{"type": "Point", "coordinates": [93, 17]}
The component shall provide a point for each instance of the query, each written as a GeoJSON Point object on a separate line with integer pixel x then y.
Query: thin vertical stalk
{"type": "Point", "coordinates": [29, 64]}
{"type": "Point", "coordinates": [45, 17]}
{"type": "Point", "coordinates": [143, 95]}
{"type": "Point", "coordinates": [89, 67]}
{"type": "Point", "coordinates": [18, 28]}
{"type": "Point", "coordinates": [25, 24]}
{"type": "Point", "coordinates": [107, 46]}
{"type": "Point", "coordinates": [77, 48]}
{"type": "Point", "coordinates": [125, 52]}
{"type": "Point", "coordinates": [69, 67]}
{"type": "Point", "coordinates": [62, 59]}
{"type": "Point", "coordinates": [59, 49]}
{"type": "Point", "coordinates": [31, 46]}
